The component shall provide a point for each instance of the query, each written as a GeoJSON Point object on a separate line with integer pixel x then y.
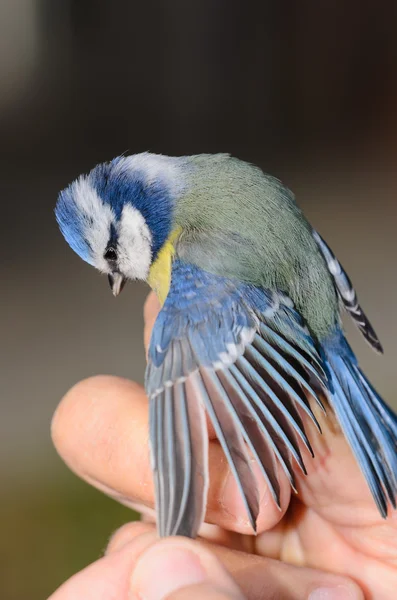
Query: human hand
{"type": "Point", "coordinates": [327, 534]}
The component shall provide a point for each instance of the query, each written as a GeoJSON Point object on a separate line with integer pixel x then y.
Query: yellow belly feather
{"type": "Point", "coordinates": [160, 272]}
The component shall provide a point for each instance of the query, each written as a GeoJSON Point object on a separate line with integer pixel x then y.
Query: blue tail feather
{"type": "Point", "coordinates": [368, 423]}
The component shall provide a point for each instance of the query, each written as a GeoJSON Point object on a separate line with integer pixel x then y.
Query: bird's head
{"type": "Point", "coordinates": [118, 216]}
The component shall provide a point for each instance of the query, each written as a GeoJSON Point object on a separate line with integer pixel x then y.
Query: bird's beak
{"type": "Point", "coordinates": [116, 282]}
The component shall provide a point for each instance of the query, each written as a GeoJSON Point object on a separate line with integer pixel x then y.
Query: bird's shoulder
{"type": "Point", "coordinates": [217, 314]}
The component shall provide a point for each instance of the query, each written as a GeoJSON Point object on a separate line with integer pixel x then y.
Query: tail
{"type": "Point", "coordinates": [368, 423]}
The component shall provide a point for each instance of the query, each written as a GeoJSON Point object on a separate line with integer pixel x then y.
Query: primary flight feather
{"type": "Point", "coordinates": [249, 331]}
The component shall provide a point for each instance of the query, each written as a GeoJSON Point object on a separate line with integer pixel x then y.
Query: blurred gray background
{"type": "Point", "coordinates": [307, 90]}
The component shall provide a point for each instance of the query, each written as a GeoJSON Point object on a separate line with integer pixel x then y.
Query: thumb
{"type": "Point", "coordinates": [180, 569]}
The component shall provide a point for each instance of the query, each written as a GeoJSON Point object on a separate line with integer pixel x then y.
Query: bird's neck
{"type": "Point", "coordinates": [160, 272]}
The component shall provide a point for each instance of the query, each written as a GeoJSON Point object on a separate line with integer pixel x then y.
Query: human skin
{"type": "Point", "coordinates": [329, 539]}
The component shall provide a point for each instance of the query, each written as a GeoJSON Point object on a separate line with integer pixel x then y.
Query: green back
{"type": "Point", "coordinates": [241, 223]}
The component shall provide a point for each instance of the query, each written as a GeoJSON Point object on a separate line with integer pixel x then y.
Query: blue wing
{"type": "Point", "coordinates": [369, 425]}
{"type": "Point", "coordinates": [245, 357]}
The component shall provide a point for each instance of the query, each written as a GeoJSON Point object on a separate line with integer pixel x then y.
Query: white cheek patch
{"type": "Point", "coordinates": [134, 246]}
{"type": "Point", "coordinates": [97, 218]}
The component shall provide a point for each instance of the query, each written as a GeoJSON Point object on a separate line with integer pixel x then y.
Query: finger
{"type": "Point", "coordinates": [174, 571]}
{"type": "Point", "coordinates": [210, 533]}
{"type": "Point", "coordinates": [150, 568]}
{"type": "Point", "coordinates": [262, 578]}
{"type": "Point", "coordinates": [106, 578]}
{"type": "Point", "coordinates": [257, 575]}
{"type": "Point", "coordinates": [180, 569]}
{"type": "Point", "coordinates": [150, 311]}
{"type": "Point", "coordinates": [127, 534]}
{"type": "Point", "coordinates": [101, 431]}
{"type": "Point", "coordinates": [325, 488]}
{"type": "Point", "coordinates": [203, 591]}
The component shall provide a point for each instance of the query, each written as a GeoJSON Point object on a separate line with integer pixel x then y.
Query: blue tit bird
{"type": "Point", "coordinates": [249, 332]}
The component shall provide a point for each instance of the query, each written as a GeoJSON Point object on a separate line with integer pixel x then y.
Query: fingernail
{"type": "Point", "coordinates": [161, 571]}
{"type": "Point", "coordinates": [339, 592]}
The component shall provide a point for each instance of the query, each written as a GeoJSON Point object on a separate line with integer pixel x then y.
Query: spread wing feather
{"type": "Point", "coordinates": [179, 444]}
{"type": "Point", "coordinates": [369, 424]}
{"type": "Point", "coordinates": [244, 356]}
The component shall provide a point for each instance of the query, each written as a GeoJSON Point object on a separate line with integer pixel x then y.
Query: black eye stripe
{"type": "Point", "coordinates": [110, 254]}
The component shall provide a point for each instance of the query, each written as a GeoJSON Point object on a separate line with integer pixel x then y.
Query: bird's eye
{"type": "Point", "coordinates": [110, 254]}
